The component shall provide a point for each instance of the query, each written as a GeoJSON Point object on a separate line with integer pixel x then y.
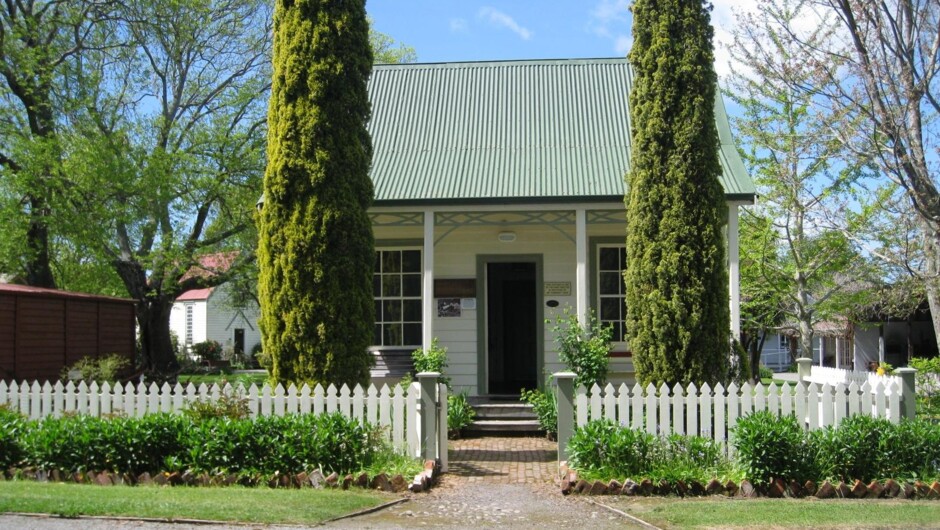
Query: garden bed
{"type": "Point", "coordinates": [315, 479]}
{"type": "Point", "coordinates": [889, 489]}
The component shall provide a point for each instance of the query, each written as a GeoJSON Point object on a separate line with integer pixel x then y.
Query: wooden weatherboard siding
{"type": "Point", "coordinates": [43, 330]}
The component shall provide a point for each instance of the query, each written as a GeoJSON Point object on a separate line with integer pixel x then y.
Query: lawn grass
{"type": "Point", "coordinates": [672, 513]}
{"type": "Point", "coordinates": [234, 503]}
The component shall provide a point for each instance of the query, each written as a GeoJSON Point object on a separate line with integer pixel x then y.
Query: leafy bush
{"type": "Point", "coordinates": [927, 382]}
{"type": "Point", "coordinates": [159, 442]}
{"type": "Point", "coordinates": [459, 412]}
{"type": "Point", "coordinates": [603, 449]}
{"type": "Point", "coordinates": [911, 450]}
{"type": "Point", "coordinates": [764, 372]}
{"type": "Point", "coordinates": [686, 458]}
{"type": "Point", "coordinates": [434, 359]}
{"type": "Point", "coordinates": [583, 349]}
{"type": "Point", "coordinates": [770, 446]}
{"type": "Point", "coordinates": [545, 405]}
{"type": "Point", "coordinates": [12, 425]}
{"type": "Point", "coordinates": [210, 350]}
{"type": "Point", "coordinates": [99, 369]}
{"type": "Point", "coordinates": [853, 450]}
{"type": "Point", "coordinates": [231, 404]}
{"type": "Point", "coordinates": [860, 448]}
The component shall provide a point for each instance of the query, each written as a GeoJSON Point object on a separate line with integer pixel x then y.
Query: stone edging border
{"type": "Point", "coordinates": [570, 483]}
{"type": "Point", "coordinates": [423, 481]}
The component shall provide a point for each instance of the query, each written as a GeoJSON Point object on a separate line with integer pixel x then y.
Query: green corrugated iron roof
{"type": "Point", "coordinates": [511, 131]}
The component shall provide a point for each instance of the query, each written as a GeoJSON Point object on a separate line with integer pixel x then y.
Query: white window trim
{"type": "Point", "coordinates": [393, 248]}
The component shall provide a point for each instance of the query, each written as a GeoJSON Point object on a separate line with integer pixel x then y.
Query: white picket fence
{"type": "Point", "coordinates": [713, 412]}
{"type": "Point", "coordinates": [834, 376]}
{"type": "Point", "coordinates": [394, 408]}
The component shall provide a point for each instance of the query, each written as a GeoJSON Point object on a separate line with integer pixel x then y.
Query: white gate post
{"type": "Point", "coordinates": [908, 395]}
{"type": "Point", "coordinates": [428, 438]}
{"type": "Point", "coordinates": [565, 400]}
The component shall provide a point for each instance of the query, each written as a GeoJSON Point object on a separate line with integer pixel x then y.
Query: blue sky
{"type": "Point", "coordinates": [451, 30]}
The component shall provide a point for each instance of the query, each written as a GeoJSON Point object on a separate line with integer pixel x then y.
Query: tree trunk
{"type": "Point", "coordinates": [153, 317]}
{"type": "Point", "coordinates": [931, 283]}
{"type": "Point", "coordinates": [38, 270]}
{"type": "Point", "coordinates": [756, 346]}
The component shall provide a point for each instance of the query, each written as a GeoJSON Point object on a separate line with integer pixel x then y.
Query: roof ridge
{"type": "Point", "coordinates": [501, 62]}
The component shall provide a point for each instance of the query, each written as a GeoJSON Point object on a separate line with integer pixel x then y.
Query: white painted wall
{"type": "Point", "coordinates": [214, 319]}
{"type": "Point", "coordinates": [455, 257]}
{"type": "Point", "coordinates": [222, 320]}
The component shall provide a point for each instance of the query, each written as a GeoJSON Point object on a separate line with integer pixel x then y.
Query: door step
{"type": "Point", "coordinates": [503, 415]}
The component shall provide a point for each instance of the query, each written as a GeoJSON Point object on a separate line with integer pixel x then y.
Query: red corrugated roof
{"type": "Point", "coordinates": [57, 293]}
{"type": "Point", "coordinates": [195, 294]}
{"type": "Point", "coordinates": [211, 264]}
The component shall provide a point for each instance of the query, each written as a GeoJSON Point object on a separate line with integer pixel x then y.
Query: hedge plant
{"type": "Point", "coordinates": [167, 442]}
{"type": "Point", "coordinates": [603, 449]}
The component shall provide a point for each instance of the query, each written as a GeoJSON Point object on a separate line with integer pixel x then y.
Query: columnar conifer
{"type": "Point", "coordinates": [316, 249]}
{"type": "Point", "coordinates": [676, 279]}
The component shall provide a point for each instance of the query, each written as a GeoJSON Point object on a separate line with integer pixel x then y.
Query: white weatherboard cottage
{"type": "Point", "coordinates": [499, 202]}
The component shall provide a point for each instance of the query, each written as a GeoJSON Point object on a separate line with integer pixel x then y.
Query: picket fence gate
{"type": "Point", "coordinates": [397, 409]}
{"type": "Point", "coordinates": [713, 412]}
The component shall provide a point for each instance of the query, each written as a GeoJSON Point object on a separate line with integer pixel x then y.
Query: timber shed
{"type": "Point", "coordinates": [43, 330]}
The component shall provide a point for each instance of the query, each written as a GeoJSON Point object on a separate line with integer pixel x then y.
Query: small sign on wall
{"type": "Point", "coordinates": [448, 307]}
{"type": "Point", "coordinates": [557, 288]}
{"type": "Point", "coordinates": [468, 304]}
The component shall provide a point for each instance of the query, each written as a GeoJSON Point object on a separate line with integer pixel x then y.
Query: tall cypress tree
{"type": "Point", "coordinates": [676, 278]}
{"type": "Point", "coordinates": [316, 249]}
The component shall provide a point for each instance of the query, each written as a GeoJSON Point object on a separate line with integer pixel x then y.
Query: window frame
{"type": "Point", "coordinates": [618, 348]}
{"type": "Point", "coordinates": [399, 246]}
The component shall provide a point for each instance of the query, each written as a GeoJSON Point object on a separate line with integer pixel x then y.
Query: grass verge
{"type": "Point", "coordinates": [254, 505]}
{"type": "Point", "coordinates": [672, 513]}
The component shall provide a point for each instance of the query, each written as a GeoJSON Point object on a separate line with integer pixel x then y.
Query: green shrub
{"type": "Point", "coordinates": [583, 349]}
{"type": "Point", "coordinates": [853, 450]}
{"type": "Point", "coordinates": [911, 450]}
{"type": "Point", "coordinates": [98, 369]}
{"type": "Point", "coordinates": [231, 404]}
{"type": "Point", "coordinates": [764, 372]}
{"type": "Point", "coordinates": [12, 425]}
{"type": "Point", "coordinates": [459, 412]}
{"type": "Point", "coordinates": [210, 350]}
{"type": "Point", "coordinates": [686, 458]}
{"type": "Point", "coordinates": [70, 443]}
{"type": "Point", "coordinates": [770, 446]}
{"type": "Point", "coordinates": [927, 382]}
{"type": "Point", "coordinates": [135, 445]}
{"type": "Point", "coordinates": [167, 442]}
{"type": "Point", "coordinates": [603, 449]}
{"type": "Point", "coordinates": [545, 405]}
{"type": "Point", "coordinates": [434, 359]}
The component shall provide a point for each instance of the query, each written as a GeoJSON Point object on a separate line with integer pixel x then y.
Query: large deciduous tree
{"type": "Point", "coordinates": [883, 69]}
{"type": "Point", "coordinates": [40, 43]}
{"type": "Point", "coordinates": [676, 278]}
{"type": "Point", "coordinates": [167, 150]}
{"type": "Point", "coordinates": [316, 248]}
{"type": "Point", "coordinates": [804, 174]}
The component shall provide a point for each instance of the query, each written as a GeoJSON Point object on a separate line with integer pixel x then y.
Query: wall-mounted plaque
{"type": "Point", "coordinates": [468, 303]}
{"type": "Point", "coordinates": [557, 288]}
{"type": "Point", "coordinates": [448, 307]}
{"type": "Point", "coordinates": [455, 288]}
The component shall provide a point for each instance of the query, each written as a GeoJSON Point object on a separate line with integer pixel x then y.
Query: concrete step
{"type": "Point", "coordinates": [505, 426]}
{"type": "Point", "coordinates": [504, 411]}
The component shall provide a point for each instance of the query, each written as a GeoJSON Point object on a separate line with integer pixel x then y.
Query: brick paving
{"type": "Point", "coordinates": [502, 460]}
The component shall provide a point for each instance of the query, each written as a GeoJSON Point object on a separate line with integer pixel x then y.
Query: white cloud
{"type": "Point", "coordinates": [498, 18]}
{"type": "Point", "coordinates": [458, 25]}
{"type": "Point", "coordinates": [610, 19]}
